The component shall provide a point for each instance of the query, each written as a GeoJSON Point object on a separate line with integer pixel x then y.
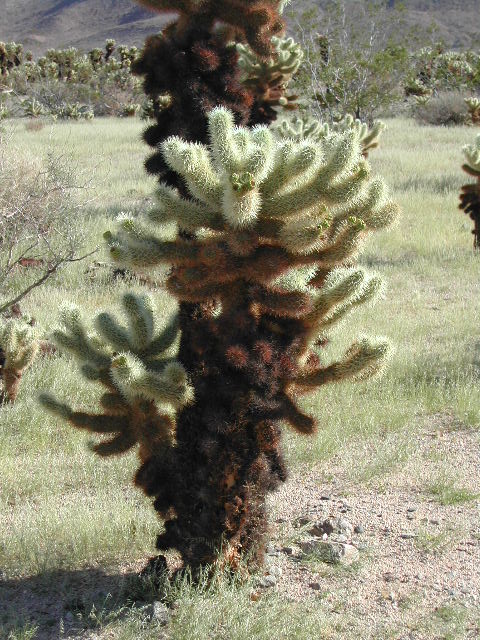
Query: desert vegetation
{"type": "Point", "coordinates": [190, 313]}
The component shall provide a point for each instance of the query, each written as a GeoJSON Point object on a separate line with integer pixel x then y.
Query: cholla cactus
{"type": "Point", "coordinates": [268, 78]}
{"type": "Point", "coordinates": [195, 63]}
{"type": "Point", "coordinates": [254, 21]}
{"type": "Point", "coordinates": [18, 348]}
{"type": "Point", "coordinates": [470, 193]}
{"type": "Point", "coordinates": [308, 128]}
{"type": "Point", "coordinates": [143, 383]}
{"type": "Point", "coordinates": [279, 223]}
{"type": "Point", "coordinates": [473, 105]}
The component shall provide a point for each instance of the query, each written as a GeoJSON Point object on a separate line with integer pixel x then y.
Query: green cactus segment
{"type": "Point", "coordinates": [362, 360]}
{"type": "Point", "coordinates": [309, 128]}
{"type": "Point", "coordinates": [133, 362]}
{"type": "Point", "coordinates": [472, 156]}
{"type": "Point", "coordinates": [18, 347]}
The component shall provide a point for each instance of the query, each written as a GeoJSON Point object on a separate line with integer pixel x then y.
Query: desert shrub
{"type": "Point", "coordinates": [37, 201]}
{"type": "Point", "coordinates": [445, 109]}
{"type": "Point", "coordinates": [357, 63]}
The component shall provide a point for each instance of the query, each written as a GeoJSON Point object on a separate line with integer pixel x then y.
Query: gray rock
{"type": "Point", "coordinates": [331, 526]}
{"type": "Point", "coordinates": [411, 509]}
{"type": "Point", "coordinates": [341, 538]}
{"type": "Point", "coordinates": [158, 612]}
{"type": "Point", "coordinates": [359, 528]}
{"type": "Point", "coordinates": [267, 582]}
{"type": "Point", "coordinates": [408, 536]}
{"type": "Point", "coordinates": [331, 552]}
{"type": "Point", "coordinates": [325, 498]}
{"type": "Point", "coordinates": [274, 570]}
{"type": "Point", "coordinates": [315, 586]}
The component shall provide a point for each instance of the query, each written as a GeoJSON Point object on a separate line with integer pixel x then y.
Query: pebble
{"type": "Point", "coordinates": [411, 509]}
{"type": "Point", "coordinates": [315, 586]}
{"type": "Point", "coordinates": [408, 536]}
{"type": "Point", "coordinates": [267, 582]}
{"type": "Point", "coordinates": [287, 551]}
{"type": "Point", "coordinates": [274, 570]}
{"type": "Point", "coordinates": [410, 516]}
{"type": "Point", "coordinates": [325, 498]}
{"type": "Point", "coordinates": [359, 528]}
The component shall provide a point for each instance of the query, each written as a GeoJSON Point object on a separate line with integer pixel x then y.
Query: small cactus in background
{"type": "Point", "coordinates": [18, 348]}
{"type": "Point", "coordinates": [473, 105]}
{"type": "Point", "coordinates": [143, 383]}
{"type": "Point", "coordinates": [268, 78]}
{"type": "Point", "coordinates": [309, 128]}
{"type": "Point", "coordinates": [470, 193]}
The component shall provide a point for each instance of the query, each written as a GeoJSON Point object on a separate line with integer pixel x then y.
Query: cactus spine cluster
{"type": "Point", "coordinates": [470, 193]}
{"type": "Point", "coordinates": [18, 348]}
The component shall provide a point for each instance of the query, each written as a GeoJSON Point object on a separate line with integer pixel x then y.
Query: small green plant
{"type": "Point", "coordinates": [446, 492]}
{"type": "Point", "coordinates": [131, 109]}
{"type": "Point", "coordinates": [436, 543]}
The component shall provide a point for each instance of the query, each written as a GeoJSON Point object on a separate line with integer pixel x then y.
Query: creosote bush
{"type": "Point", "coordinates": [277, 224]}
{"type": "Point", "coordinates": [470, 193]}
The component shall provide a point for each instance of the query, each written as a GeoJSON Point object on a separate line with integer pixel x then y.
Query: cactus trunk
{"type": "Point", "coordinates": [11, 381]}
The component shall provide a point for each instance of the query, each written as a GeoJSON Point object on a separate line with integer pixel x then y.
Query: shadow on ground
{"type": "Point", "coordinates": [66, 603]}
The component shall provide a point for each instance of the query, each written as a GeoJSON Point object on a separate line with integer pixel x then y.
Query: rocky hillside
{"type": "Point", "coordinates": [87, 23]}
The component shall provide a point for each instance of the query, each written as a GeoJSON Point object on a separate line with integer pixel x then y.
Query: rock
{"type": "Point", "coordinates": [410, 516]}
{"type": "Point", "coordinates": [345, 527]}
{"type": "Point", "coordinates": [389, 576]}
{"type": "Point", "coordinates": [274, 570]}
{"type": "Point", "coordinates": [341, 538]}
{"type": "Point", "coordinates": [267, 582]}
{"type": "Point", "coordinates": [325, 498]}
{"type": "Point", "coordinates": [411, 509]}
{"type": "Point", "coordinates": [359, 529]}
{"type": "Point", "coordinates": [288, 551]}
{"type": "Point", "coordinates": [269, 549]}
{"type": "Point", "coordinates": [158, 612]}
{"type": "Point", "coordinates": [329, 526]}
{"type": "Point", "coordinates": [408, 536]}
{"type": "Point", "coordinates": [315, 586]}
{"type": "Point", "coordinates": [331, 552]}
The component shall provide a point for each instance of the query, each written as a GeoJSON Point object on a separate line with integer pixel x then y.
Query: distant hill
{"type": "Point", "coordinates": [41, 24]}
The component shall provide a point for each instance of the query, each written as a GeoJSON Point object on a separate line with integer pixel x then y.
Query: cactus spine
{"type": "Point", "coordinates": [470, 193]}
